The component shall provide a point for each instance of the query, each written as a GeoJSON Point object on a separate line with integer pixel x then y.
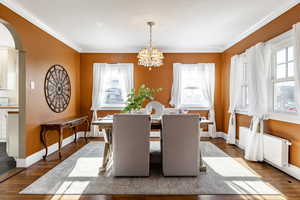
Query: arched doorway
{"type": "Point", "coordinates": [15, 84]}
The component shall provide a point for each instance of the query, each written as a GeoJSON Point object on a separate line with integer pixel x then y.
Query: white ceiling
{"type": "Point", "coordinates": [120, 25]}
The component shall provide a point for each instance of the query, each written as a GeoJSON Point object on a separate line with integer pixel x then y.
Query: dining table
{"type": "Point", "coordinates": [106, 124]}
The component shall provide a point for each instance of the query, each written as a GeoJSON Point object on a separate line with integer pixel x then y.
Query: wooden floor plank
{"type": "Point", "coordinates": [288, 186]}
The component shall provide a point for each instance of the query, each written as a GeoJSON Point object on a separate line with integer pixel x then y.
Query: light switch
{"type": "Point", "coordinates": [32, 85]}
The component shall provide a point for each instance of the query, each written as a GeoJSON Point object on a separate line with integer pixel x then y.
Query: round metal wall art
{"type": "Point", "coordinates": [57, 88]}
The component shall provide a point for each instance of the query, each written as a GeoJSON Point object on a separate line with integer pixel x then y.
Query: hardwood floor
{"type": "Point", "coordinates": [288, 186]}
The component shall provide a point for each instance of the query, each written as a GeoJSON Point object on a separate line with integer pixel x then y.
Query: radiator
{"type": "Point", "coordinates": [276, 149]}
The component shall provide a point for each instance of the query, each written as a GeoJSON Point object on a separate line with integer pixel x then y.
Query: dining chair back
{"type": "Point", "coordinates": [180, 145]}
{"type": "Point", "coordinates": [131, 147]}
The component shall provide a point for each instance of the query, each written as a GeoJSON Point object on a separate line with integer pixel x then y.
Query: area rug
{"type": "Point", "coordinates": [78, 174]}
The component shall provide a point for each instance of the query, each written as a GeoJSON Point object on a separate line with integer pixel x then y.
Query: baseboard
{"type": "Point", "coordinates": [222, 135]}
{"type": "Point", "coordinates": [33, 158]}
{"type": "Point", "coordinates": [89, 134]}
{"type": "Point", "coordinates": [291, 170]}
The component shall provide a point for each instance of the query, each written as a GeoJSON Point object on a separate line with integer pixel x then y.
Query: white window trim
{"type": "Point", "coordinates": [244, 96]}
{"type": "Point", "coordinates": [278, 43]}
{"type": "Point", "coordinates": [242, 111]}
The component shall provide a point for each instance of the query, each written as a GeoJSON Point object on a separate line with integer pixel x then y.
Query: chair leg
{"type": "Point", "coordinates": [202, 165]}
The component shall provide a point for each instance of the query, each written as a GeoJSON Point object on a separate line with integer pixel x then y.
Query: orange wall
{"type": "Point", "coordinates": [156, 78]}
{"type": "Point", "coordinates": [282, 129]}
{"type": "Point", "coordinates": [42, 51]}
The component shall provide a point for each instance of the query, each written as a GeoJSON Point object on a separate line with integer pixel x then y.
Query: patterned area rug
{"type": "Point", "coordinates": [78, 174]}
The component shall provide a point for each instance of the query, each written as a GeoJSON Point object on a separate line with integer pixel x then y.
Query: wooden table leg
{"type": "Point", "coordinates": [105, 157]}
{"type": "Point", "coordinates": [60, 140]}
{"type": "Point", "coordinates": [44, 141]}
{"type": "Point", "coordinates": [75, 134]}
{"type": "Point", "coordinates": [107, 150]}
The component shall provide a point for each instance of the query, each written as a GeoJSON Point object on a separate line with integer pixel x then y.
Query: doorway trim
{"type": "Point", "coordinates": [22, 91]}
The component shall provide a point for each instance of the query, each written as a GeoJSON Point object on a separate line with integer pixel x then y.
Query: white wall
{"type": "Point", "coordinates": [6, 38]}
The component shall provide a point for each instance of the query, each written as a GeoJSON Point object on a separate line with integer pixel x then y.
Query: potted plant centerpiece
{"type": "Point", "coordinates": [134, 101]}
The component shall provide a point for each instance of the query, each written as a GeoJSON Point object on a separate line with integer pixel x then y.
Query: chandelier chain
{"type": "Point", "coordinates": [150, 35]}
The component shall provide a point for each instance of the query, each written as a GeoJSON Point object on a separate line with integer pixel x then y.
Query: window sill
{"type": "Point", "coordinates": [290, 118]}
{"type": "Point", "coordinates": [111, 108]}
{"type": "Point", "coordinates": [242, 112]}
{"type": "Point", "coordinates": [196, 108]}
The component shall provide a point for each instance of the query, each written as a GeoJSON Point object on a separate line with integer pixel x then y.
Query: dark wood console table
{"type": "Point", "coordinates": [59, 126]}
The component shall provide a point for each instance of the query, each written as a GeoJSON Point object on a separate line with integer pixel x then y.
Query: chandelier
{"type": "Point", "coordinates": [150, 57]}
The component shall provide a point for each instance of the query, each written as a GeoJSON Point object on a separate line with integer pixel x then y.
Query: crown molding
{"type": "Point", "coordinates": [219, 49]}
{"type": "Point", "coordinates": [34, 20]}
{"type": "Point", "coordinates": [262, 23]}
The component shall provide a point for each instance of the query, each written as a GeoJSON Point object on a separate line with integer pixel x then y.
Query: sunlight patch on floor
{"type": "Point", "coordinates": [228, 167]}
{"type": "Point", "coordinates": [86, 167]}
{"type": "Point", "coordinates": [250, 187]}
{"type": "Point", "coordinates": [72, 187]}
{"type": "Point", "coordinates": [66, 197]}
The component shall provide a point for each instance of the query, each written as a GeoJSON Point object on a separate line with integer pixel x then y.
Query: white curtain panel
{"type": "Point", "coordinates": [98, 72]}
{"type": "Point", "coordinates": [296, 39]}
{"type": "Point", "coordinates": [102, 71]}
{"type": "Point", "coordinates": [231, 129]}
{"type": "Point", "coordinates": [125, 70]}
{"type": "Point", "coordinates": [254, 150]}
{"type": "Point", "coordinates": [208, 77]}
{"type": "Point", "coordinates": [236, 74]}
{"type": "Point", "coordinates": [258, 108]}
{"type": "Point", "coordinates": [98, 80]}
{"type": "Point", "coordinates": [176, 85]}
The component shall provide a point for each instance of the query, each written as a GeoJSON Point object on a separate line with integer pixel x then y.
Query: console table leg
{"type": "Point", "coordinates": [75, 133]}
{"type": "Point", "coordinates": [85, 132]}
{"type": "Point", "coordinates": [60, 139]}
{"type": "Point", "coordinates": [44, 141]}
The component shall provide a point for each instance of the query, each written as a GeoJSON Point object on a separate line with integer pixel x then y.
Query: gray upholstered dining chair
{"type": "Point", "coordinates": [180, 145]}
{"type": "Point", "coordinates": [131, 145]}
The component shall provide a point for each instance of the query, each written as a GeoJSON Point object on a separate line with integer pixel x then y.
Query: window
{"type": "Point", "coordinates": [192, 92]}
{"type": "Point", "coordinates": [113, 90]}
{"type": "Point", "coordinates": [243, 102]}
{"type": "Point", "coordinates": [193, 85]}
{"type": "Point", "coordinates": [283, 82]}
{"type": "Point", "coordinates": [112, 83]}
{"type": "Point", "coordinates": [279, 72]}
